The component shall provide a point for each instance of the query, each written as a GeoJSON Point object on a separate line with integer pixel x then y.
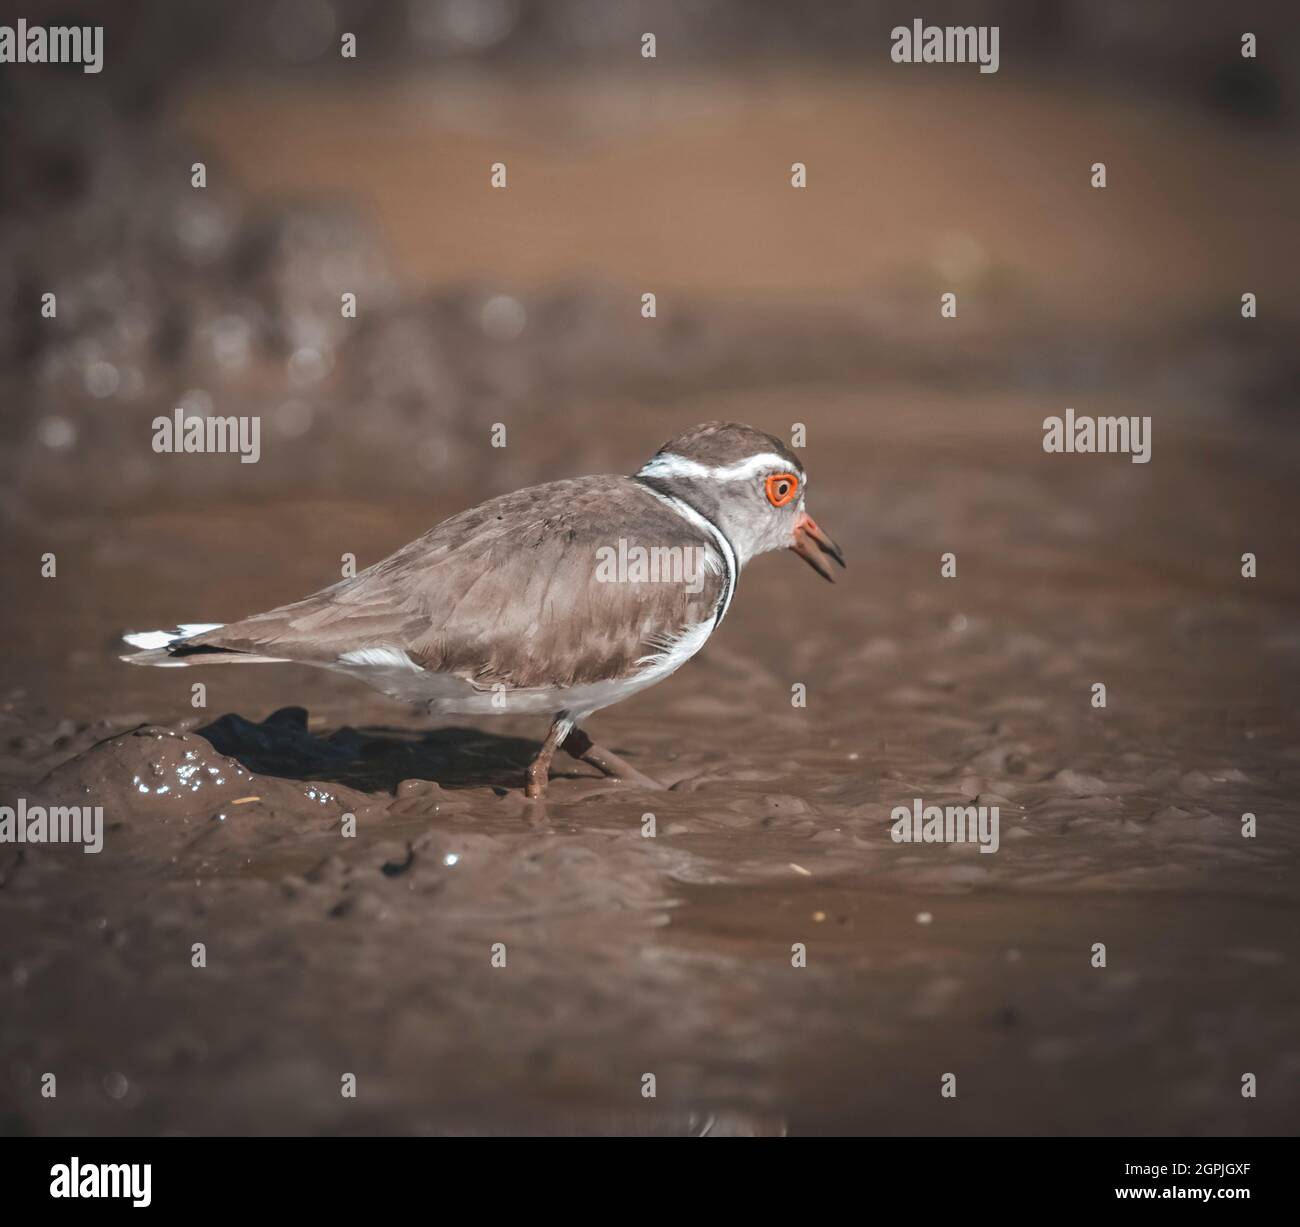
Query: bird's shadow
{"type": "Point", "coordinates": [371, 759]}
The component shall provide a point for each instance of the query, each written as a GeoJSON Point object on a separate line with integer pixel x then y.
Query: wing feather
{"type": "Point", "coordinates": [509, 592]}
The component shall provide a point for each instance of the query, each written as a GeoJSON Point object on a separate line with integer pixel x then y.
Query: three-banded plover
{"type": "Point", "coordinates": [559, 599]}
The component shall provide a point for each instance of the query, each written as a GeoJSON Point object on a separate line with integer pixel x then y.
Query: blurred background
{"type": "Point", "coordinates": [775, 306]}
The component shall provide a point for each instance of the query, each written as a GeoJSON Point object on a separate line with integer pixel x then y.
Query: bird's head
{"type": "Point", "coordinates": [749, 485]}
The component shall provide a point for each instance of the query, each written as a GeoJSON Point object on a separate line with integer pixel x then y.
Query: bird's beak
{"type": "Point", "coordinates": [814, 546]}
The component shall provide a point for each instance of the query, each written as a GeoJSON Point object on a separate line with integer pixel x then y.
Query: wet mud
{"type": "Point", "coordinates": [672, 955]}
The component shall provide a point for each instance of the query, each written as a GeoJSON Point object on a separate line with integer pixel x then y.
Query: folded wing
{"type": "Point", "coordinates": [559, 585]}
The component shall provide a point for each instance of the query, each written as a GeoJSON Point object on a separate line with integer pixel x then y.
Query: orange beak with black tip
{"type": "Point", "coordinates": [815, 547]}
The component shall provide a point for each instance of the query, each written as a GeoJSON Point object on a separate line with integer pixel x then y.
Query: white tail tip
{"type": "Point", "coordinates": [149, 640]}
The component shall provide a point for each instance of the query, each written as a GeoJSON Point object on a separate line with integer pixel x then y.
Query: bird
{"type": "Point", "coordinates": [559, 599]}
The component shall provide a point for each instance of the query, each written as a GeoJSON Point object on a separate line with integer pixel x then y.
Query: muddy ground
{"type": "Point", "coordinates": [670, 955]}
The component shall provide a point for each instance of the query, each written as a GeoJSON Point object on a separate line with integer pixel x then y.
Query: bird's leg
{"type": "Point", "coordinates": [539, 768]}
{"type": "Point", "coordinates": [580, 746]}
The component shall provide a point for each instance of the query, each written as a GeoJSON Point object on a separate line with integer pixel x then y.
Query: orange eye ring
{"type": "Point", "coordinates": [781, 488]}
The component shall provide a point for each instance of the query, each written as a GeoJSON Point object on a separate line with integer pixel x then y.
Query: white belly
{"type": "Point", "coordinates": [393, 673]}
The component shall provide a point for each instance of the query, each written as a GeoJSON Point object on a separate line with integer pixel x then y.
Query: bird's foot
{"type": "Point", "coordinates": [535, 785]}
{"type": "Point", "coordinates": [539, 770]}
{"type": "Point", "coordinates": [581, 747]}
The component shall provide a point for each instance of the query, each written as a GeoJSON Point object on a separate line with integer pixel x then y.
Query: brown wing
{"type": "Point", "coordinates": [525, 589]}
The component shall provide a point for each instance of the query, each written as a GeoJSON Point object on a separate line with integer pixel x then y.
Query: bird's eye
{"type": "Point", "coordinates": [781, 488]}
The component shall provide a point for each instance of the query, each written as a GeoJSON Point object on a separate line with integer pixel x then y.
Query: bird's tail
{"type": "Point", "coordinates": [169, 649]}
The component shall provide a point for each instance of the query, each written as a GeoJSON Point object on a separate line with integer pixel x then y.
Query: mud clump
{"type": "Point", "coordinates": [154, 773]}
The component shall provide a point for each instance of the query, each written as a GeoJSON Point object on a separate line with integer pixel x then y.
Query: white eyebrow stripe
{"type": "Point", "coordinates": [668, 465]}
